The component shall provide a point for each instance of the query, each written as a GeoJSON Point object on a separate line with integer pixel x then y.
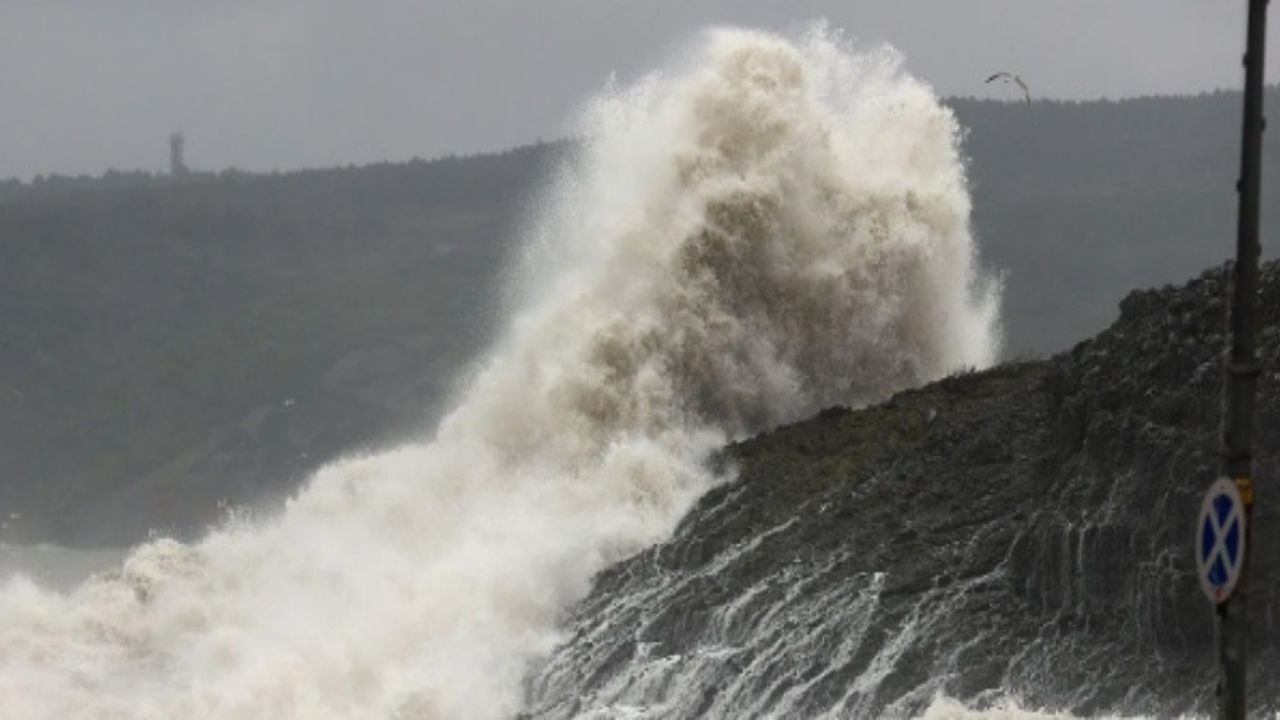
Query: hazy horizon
{"type": "Point", "coordinates": [289, 85]}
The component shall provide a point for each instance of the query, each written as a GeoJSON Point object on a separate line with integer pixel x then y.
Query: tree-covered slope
{"type": "Point", "coordinates": [143, 323]}
{"type": "Point", "coordinates": [1080, 202]}
{"type": "Point", "coordinates": [167, 347]}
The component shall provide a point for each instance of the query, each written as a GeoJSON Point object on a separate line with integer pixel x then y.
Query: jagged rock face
{"type": "Point", "coordinates": [1025, 531]}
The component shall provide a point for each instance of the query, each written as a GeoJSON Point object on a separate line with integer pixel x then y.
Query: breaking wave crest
{"type": "Point", "coordinates": [773, 227]}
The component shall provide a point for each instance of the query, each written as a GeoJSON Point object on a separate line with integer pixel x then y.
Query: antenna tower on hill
{"type": "Point", "coordinates": [177, 167]}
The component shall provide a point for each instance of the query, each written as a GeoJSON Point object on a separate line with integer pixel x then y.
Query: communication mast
{"type": "Point", "coordinates": [177, 167]}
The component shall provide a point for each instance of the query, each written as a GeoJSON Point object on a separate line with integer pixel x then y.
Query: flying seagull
{"type": "Point", "coordinates": [1009, 77]}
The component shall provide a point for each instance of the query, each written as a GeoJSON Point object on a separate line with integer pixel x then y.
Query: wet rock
{"type": "Point", "coordinates": [1024, 530]}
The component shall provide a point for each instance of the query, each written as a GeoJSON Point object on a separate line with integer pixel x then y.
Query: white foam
{"type": "Point", "coordinates": [944, 708]}
{"type": "Point", "coordinates": [771, 228]}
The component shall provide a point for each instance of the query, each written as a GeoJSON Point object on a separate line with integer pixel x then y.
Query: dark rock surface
{"type": "Point", "coordinates": [1025, 530]}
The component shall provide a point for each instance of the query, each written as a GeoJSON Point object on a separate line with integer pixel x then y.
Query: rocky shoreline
{"type": "Point", "coordinates": [1020, 531]}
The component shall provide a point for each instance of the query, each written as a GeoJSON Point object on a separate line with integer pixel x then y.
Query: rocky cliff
{"type": "Point", "coordinates": [1025, 531]}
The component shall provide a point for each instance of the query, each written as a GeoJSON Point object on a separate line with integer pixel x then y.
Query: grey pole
{"type": "Point", "coordinates": [1242, 375]}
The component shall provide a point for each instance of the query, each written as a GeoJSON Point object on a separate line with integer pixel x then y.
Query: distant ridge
{"type": "Point", "coordinates": [150, 331]}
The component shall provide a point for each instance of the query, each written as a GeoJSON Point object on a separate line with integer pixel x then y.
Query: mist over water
{"type": "Point", "coordinates": [768, 228]}
{"type": "Point", "coordinates": [52, 566]}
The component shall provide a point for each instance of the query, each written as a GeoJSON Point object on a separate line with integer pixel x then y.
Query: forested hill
{"type": "Point", "coordinates": [165, 346]}
{"type": "Point", "coordinates": [170, 346]}
{"type": "Point", "coordinates": [1080, 202]}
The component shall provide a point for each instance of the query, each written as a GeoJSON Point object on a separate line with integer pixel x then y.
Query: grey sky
{"type": "Point", "coordinates": [260, 84]}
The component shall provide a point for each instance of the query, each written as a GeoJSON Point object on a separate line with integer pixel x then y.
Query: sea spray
{"type": "Point", "coordinates": [768, 228]}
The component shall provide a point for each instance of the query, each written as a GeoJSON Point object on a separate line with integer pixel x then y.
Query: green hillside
{"type": "Point", "coordinates": [170, 347]}
{"type": "Point", "coordinates": [139, 322]}
{"type": "Point", "coordinates": [1080, 202]}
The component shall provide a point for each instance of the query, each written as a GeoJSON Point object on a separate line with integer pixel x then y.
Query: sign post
{"type": "Point", "coordinates": [1242, 376]}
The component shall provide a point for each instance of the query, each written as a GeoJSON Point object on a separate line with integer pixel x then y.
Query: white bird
{"type": "Point", "coordinates": [1009, 77]}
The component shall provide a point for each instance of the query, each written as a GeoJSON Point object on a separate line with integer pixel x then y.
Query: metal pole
{"type": "Point", "coordinates": [1237, 434]}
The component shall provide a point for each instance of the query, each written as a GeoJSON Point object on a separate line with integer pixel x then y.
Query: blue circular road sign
{"type": "Point", "coordinates": [1220, 539]}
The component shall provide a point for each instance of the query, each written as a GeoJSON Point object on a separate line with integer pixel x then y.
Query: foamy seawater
{"type": "Point", "coordinates": [770, 227]}
{"type": "Point", "coordinates": [54, 567]}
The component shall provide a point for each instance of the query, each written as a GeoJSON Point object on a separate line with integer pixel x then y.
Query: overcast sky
{"type": "Point", "coordinates": [86, 85]}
